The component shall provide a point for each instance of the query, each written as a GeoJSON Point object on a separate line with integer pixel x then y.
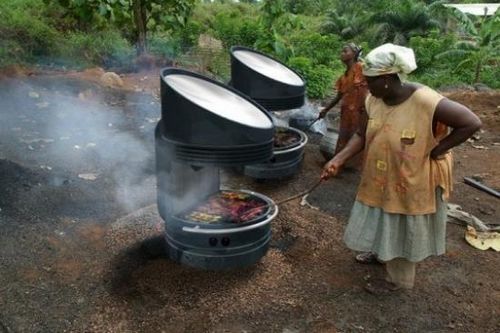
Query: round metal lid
{"type": "Point", "coordinates": [266, 80]}
{"type": "Point", "coordinates": [218, 100]}
{"type": "Point", "coordinates": [204, 121]}
{"type": "Point", "coordinates": [268, 67]}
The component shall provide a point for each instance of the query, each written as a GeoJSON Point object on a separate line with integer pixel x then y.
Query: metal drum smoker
{"type": "Point", "coordinates": [206, 125]}
{"type": "Point", "coordinates": [276, 87]}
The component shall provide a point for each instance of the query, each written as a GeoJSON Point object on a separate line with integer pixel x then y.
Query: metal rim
{"type": "Point", "coordinates": [303, 142]}
{"type": "Point", "coordinates": [243, 48]}
{"type": "Point", "coordinates": [211, 148]}
{"type": "Point", "coordinates": [199, 230]}
{"type": "Point", "coordinates": [173, 70]}
{"type": "Point", "coordinates": [230, 226]}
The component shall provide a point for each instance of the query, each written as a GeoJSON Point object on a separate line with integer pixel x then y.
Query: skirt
{"type": "Point", "coordinates": [412, 237]}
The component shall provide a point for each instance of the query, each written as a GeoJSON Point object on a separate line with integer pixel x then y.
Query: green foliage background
{"type": "Point", "coordinates": [305, 34]}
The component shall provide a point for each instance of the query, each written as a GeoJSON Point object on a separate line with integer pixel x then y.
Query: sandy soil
{"type": "Point", "coordinates": [84, 255]}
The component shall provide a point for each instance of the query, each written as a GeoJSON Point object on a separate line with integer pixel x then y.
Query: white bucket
{"type": "Point", "coordinates": [329, 141]}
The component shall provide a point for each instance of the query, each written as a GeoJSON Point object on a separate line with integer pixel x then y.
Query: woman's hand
{"type": "Point", "coordinates": [437, 154]}
{"type": "Point", "coordinates": [462, 120]}
{"type": "Point", "coordinates": [331, 169]}
{"type": "Point", "coordinates": [354, 146]}
{"type": "Point", "coordinates": [323, 113]}
{"type": "Point", "coordinates": [330, 105]}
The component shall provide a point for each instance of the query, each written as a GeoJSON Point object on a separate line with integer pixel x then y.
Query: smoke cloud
{"type": "Point", "coordinates": [73, 127]}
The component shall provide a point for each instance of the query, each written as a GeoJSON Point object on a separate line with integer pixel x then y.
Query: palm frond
{"type": "Point", "coordinates": [467, 45]}
{"type": "Point", "coordinates": [453, 54]}
{"type": "Point", "coordinates": [400, 39]}
{"type": "Point", "coordinates": [437, 6]}
{"type": "Point", "coordinates": [465, 63]}
{"type": "Point", "coordinates": [464, 21]}
{"type": "Point", "coordinates": [382, 32]}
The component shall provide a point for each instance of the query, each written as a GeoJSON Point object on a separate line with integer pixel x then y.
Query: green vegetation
{"type": "Point", "coordinates": [479, 50]}
{"type": "Point", "coordinates": [36, 32]}
{"type": "Point", "coordinates": [452, 48]}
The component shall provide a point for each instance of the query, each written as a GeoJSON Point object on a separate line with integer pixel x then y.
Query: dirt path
{"type": "Point", "coordinates": [83, 255]}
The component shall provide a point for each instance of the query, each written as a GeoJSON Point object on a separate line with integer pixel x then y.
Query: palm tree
{"type": "Point", "coordinates": [346, 25]}
{"type": "Point", "coordinates": [398, 24]}
{"type": "Point", "coordinates": [479, 49]}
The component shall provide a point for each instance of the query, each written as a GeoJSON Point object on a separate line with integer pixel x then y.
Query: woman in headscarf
{"type": "Point", "coordinates": [406, 134]}
{"type": "Point", "coordinates": [351, 89]}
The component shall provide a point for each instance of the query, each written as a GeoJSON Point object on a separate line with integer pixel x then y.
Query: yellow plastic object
{"type": "Point", "coordinates": [483, 240]}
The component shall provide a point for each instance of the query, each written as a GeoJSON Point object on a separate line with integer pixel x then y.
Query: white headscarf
{"type": "Point", "coordinates": [389, 59]}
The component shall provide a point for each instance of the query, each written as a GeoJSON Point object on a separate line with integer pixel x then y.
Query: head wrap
{"type": "Point", "coordinates": [389, 59]}
{"type": "Point", "coordinates": [355, 48]}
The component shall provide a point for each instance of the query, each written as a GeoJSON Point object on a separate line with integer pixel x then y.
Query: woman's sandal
{"type": "Point", "coordinates": [381, 287]}
{"type": "Point", "coordinates": [367, 258]}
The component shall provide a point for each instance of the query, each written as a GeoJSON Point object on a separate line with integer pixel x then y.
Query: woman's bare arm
{"type": "Point", "coordinates": [462, 120]}
{"type": "Point", "coordinates": [355, 145]}
{"type": "Point", "coordinates": [330, 105]}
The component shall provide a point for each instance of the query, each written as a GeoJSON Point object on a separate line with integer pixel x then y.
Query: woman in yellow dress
{"type": "Point", "coordinates": [406, 135]}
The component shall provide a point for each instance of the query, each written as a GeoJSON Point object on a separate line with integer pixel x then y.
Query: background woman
{"type": "Point", "coordinates": [351, 90]}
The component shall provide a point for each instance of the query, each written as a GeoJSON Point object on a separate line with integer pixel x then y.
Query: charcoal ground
{"type": "Point", "coordinates": [81, 247]}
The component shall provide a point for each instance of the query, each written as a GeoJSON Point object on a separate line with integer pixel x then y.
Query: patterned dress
{"type": "Point", "coordinates": [400, 208]}
{"type": "Point", "coordinates": [353, 87]}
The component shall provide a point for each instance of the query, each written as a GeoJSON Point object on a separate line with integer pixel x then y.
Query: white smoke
{"type": "Point", "coordinates": [66, 125]}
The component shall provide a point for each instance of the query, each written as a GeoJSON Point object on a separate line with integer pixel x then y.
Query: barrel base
{"type": "Point", "coordinates": [274, 170]}
{"type": "Point", "coordinates": [218, 260]}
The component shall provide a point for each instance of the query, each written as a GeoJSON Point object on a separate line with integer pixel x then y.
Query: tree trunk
{"type": "Point", "coordinates": [478, 72]}
{"type": "Point", "coordinates": [140, 25]}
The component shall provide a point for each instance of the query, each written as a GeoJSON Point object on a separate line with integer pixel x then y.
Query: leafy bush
{"type": "Point", "coordinates": [438, 79]}
{"type": "Point", "coordinates": [321, 49]}
{"type": "Point", "coordinates": [232, 23]}
{"type": "Point", "coordinates": [491, 76]}
{"type": "Point", "coordinates": [165, 45]}
{"type": "Point", "coordinates": [426, 49]}
{"type": "Point", "coordinates": [311, 7]}
{"type": "Point", "coordinates": [25, 32]}
{"type": "Point", "coordinates": [236, 30]}
{"type": "Point", "coordinates": [274, 45]}
{"type": "Point", "coordinates": [28, 35]}
{"type": "Point", "coordinates": [318, 78]}
{"type": "Point", "coordinates": [106, 48]}
{"type": "Point", "coordinates": [478, 49]}
{"type": "Point", "coordinates": [318, 60]}
{"type": "Point", "coordinates": [11, 52]}
{"type": "Point", "coordinates": [287, 23]}
{"type": "Point", "coordinates": [435, 72]}
{"type": "Point", "coordinates": [320, 82]}
{"type": "Point", "coordinates": [74, 33]}
{"type": "Point", "coordinates": [190, 34]}
{"type": "Point", "coordinates": [206, 12]}
{"type": "Point", "coordinates": [218, 66]}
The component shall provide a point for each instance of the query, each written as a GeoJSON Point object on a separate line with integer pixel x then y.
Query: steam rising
{"type": "Point", "coordinates": [69, 127]}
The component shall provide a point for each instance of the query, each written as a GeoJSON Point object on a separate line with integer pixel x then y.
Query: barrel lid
{"type": "Point", "coordinates": [268, 67]}
{"type": "Point", "coordinates": [218, 100]}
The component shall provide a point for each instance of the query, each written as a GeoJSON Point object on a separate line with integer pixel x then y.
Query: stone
{"type": "Point", "coordinates": [481, 87]}
{"type": "Point", "coordinates": [206, 41]}
{"type": "Point", "coordinates": [112, 80]}
{"type": "Point", "coordinates": [95, 72]}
